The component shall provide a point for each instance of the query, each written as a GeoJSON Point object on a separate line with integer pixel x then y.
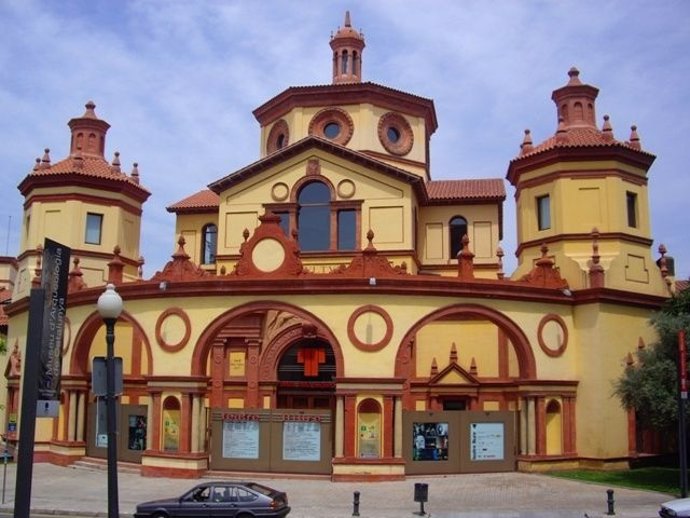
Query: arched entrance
{"type": "Point", "coordinates": [272, 370]}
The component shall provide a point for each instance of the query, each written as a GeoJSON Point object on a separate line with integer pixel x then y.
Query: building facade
{"type": "Point", "coordinates": [330, 309]}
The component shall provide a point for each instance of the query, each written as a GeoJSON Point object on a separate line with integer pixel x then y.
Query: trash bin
{"type": "Point", "coordinates": [421, 492]}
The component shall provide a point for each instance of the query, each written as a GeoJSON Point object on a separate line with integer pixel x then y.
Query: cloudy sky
{"type": "Point", "coordinates": [178, 80]}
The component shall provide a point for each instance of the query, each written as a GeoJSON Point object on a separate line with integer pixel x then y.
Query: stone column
{"type": "Point", "coordinates": [531, 428]}
{"type": "Point", "coordinates": [523, 426]}
{"type": "Point", "coordinates": [339, 425]}
{"type": "Point", "coordinates": [71, 416]}
{"type": "Point", "coordinates": [81, 413]}
{"type": "Point", "coordinates": [398, 428]}
{"type": "Point", "coordinates": [195, 424]}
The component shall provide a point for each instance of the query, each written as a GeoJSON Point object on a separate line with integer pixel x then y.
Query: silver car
{"type": "Point", "coordinates": [674, 508]}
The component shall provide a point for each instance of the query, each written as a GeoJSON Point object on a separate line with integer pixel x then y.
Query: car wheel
{"type": "Point", "coordinates": [159, 515]}
{"type": "Point", "coordinates": [244, 515]}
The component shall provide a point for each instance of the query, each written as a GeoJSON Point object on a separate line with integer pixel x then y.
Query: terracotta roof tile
{"type": "Point", "coordinates": [202, 200]}
{"type": "Point", "coordinates": [577, 137]}
{"type": "Point", "coordinates": [90, 166]}
{"type": "Point", "coordinates": [682, 285]}
{"type": "Point", "coordinates": [464, 190]}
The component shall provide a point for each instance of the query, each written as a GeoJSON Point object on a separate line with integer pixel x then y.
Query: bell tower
{"type": "Point", "coordinates": [84, 202]}
{"type": "Point", "coordinates": [583, 194]}
{"type": "Point", "coordinates": [347, 45]}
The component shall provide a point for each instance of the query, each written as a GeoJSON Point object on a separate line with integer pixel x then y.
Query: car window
{"type": "Point", "coordinates": [221, 494]}
{"type": "Point", "coordinates": [202, 494]}
{"type": "Point", "coordinates": [260, 489]}
{"type": "Point", "coordinates": [245, 496]}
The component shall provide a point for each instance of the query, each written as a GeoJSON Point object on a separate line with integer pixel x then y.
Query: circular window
{"type": "Point", "coordinates": [331, 130]}
{"type": "Point", "coordinates": [278, 137]}
{"type": "Point", "coordinates": [395, 134]}
{"type": "Point", "coordinates": [333, 124]}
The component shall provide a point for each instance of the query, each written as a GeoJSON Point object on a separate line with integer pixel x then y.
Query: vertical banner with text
{"type": "Point", "coordinates": [54, 277]}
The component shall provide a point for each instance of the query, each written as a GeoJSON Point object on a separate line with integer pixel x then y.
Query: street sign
{"type": "Point", "coordinates": [99, 376]}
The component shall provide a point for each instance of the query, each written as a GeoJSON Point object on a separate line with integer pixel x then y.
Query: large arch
{"type": "Point", "coordinates": [526, 361]}
{"type": "Point", "coordinates": [273, 352]}
{"type": "Point", "coordinates": [79, 358]}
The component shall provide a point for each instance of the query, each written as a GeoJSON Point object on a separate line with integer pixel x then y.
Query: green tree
{"type": "Point", "coordinates": [3, 344]}
{"type": "Point", "coordinates": [650, 385]}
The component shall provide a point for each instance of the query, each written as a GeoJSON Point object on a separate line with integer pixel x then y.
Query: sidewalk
{"type": "Point", "coordinates": [83, 492]}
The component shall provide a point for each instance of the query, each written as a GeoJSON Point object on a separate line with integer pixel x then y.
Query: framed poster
{"type": "Point", "coordinates": [301, 441]}
{"type": "Point", "coordinates": [241, 439]}
{"type": "Point", "coordinates": [430, 441]}
{"type": "Point", "coordinates": [486, 441]}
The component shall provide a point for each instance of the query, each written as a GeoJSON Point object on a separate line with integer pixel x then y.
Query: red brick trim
{"type": "Point", "coordinates": [278, 129]}
{"type": "Point", "coordinates": [318, 124]}
{"type": "Point", "coordinates": [399, 124]}
{"type": "Point", "coordinates": [362, 346]}
{"type": "Point", "coordinates": [551, 317]}
{"type": "Point", "coordinates": [172, 348]}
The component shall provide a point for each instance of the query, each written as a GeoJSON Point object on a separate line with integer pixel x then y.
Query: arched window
{"type": "Point", "coordinates": [458, 228]}
{"type": "Point", "coordinates": [209, 241]}
{"type": "Point", "coordinates": [314, 217]}
{"type": "Point", "coordinates": [344, 62]}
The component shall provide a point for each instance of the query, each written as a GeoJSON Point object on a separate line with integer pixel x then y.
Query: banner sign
{"type": "Point", "coordinates": [54, 276]}
{"type": "Point", "coordinates": [682, 365]}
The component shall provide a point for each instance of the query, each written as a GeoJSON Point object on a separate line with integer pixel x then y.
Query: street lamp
{"type": "Point", "coordinates": [109, 307]}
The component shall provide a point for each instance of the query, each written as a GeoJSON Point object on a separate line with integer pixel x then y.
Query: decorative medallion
{"type": "Point", "coordinates": [280, 191]}
{"type": "Point", "coordinates": [370, 328]}
{"type": "Point", "coordinates": [173, 329]}
{"type": "Point", "coordinates": [552, 335]}
{"type": "Point", "coordinates": [346, 189]}
{"type": "Point", "coordinates": [268, 255]}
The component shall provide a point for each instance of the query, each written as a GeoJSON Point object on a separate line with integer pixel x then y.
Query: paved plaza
{"type": "Point", "coordinates": [82, 491]}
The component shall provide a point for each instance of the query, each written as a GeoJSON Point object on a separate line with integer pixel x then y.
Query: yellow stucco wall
{"type": "Point", "coordinates": [434, 233]}
{"type": "Point", "coordinates": [365, 118]}
{"type": "Point", "coordinates": [577, 206]}
{"type": "Point", "coordinates": [386, 207]}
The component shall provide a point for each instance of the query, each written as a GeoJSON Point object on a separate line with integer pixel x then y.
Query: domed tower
{"type": "Point", "coordinates": [347, 45]}
{"type": "Point", "coordinates": [583, 194]}
{"type": "Point", "coordinates": [384, 123]}
{"type": "Point", "coordinates": [83, 202]}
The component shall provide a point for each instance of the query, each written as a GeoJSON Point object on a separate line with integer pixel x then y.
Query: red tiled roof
{"type": "Point", "coordinates": [93, 168]}
{"type": "Point", "coordinates": [200, 201]}
{"type": "Point", "coordinates": [578, 137]}
{"type": "Point", "coordinates": [465, 190]}
{"type": "Point", "coordinates": [682, 285]}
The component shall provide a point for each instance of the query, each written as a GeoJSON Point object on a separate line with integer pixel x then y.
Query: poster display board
{"type": "Point", "coordinates": [302, 441]}
{"type": "Point", "coordinates": [486, 441]}
{"type": "Point", "coordinates": [241, 439]}
{"type": "Point", "coordinates": [430, 441]}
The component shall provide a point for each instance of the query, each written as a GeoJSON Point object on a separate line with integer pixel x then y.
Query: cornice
{"type": "Point", "coordinates": [625, 155]}
{"type": "Point", "coordinates": [347, 94]}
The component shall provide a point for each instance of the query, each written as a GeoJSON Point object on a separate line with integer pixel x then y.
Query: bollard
{"type": "Point", "coordinates": [610, 501]}
{"type": "Point", "coordinates": [355, 504]}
